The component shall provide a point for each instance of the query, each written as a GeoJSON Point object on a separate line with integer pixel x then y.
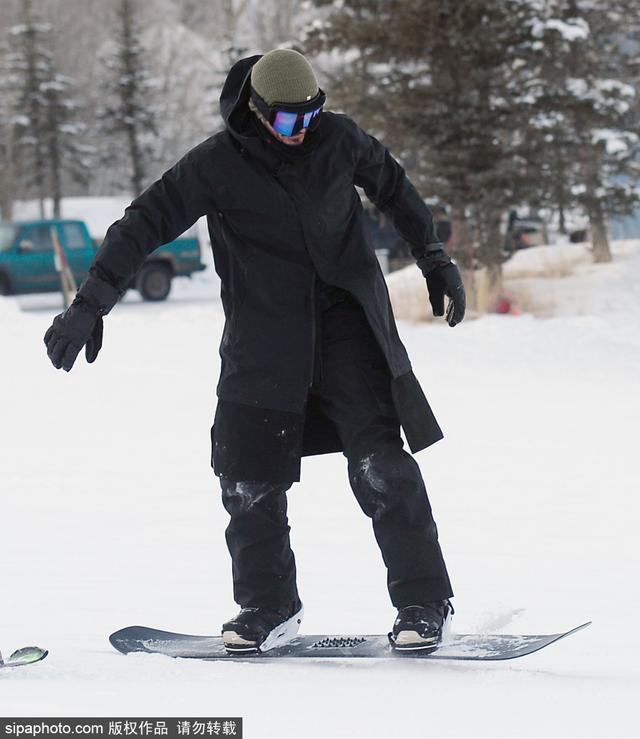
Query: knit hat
{"type": "Point", "coordinates": [284, 76]}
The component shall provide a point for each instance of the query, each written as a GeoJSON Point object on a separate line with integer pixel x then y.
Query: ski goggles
{"type": "Point", "coordinates": [288, 119]}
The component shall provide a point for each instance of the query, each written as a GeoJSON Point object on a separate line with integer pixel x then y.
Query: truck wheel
{"type": "Point", "coordinates": [5, 286]}
{"type": "Point", "coordinates": [154, 282]}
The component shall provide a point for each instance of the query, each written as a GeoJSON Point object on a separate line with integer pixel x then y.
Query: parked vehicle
{"type": "Point", "coordinates": [392, 250]}
{"type": "Point", "coordinates": [523, 233]}
{"type": "Point", "coordinates": [27, 258]}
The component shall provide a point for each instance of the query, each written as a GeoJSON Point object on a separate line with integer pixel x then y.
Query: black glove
{"type": "Point", "coordinates": [81, 324]}
{"type": "Point", "coordinates": [443, 278]}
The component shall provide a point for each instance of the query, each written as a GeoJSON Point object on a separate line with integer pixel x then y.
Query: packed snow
{"type": "Point", "coordinates": [111, 517]}
{"type": "Point", "coordinates": [579, 29]}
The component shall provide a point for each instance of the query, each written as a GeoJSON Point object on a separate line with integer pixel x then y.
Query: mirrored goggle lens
{"type": "Point", "coordinates": [287, 123]}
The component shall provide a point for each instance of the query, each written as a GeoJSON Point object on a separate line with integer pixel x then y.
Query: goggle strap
{"type": "Point", "coordinates": [306, 107]}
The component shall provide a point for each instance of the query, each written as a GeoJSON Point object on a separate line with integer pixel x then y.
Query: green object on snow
{"type": "Point", "coordinates": [24, 656]}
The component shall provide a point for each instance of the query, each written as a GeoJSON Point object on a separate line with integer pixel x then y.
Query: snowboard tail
{"type": "Point", "coordinates": [475, 647]}
{"type": "Point", "coordinates": [24, 656]}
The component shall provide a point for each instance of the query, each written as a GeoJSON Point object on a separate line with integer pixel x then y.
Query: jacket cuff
{"type": "Point", "coordinates": [434, 246]}
{"type": "Point", "coordinates": [432, 260]}
{"type": "Point", "coordinates": [98, 294]}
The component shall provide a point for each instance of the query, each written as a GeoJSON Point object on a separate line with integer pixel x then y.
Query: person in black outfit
{"type": "Point", "coordinates": [311, 358]}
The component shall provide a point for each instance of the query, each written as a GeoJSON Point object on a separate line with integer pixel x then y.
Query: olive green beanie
{"type": "Point", "coordinates": [284, 76]}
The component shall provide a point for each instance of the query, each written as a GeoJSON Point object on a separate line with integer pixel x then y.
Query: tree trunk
{"type": "Point", "coordinates": [461, 244]}
{"type": "Point", "coordinates": [593, 205]}
{"type": "Point", "coordinates": [54, 159]}
{"type": "Point", "coordinates": [599, 239]}
{"type": "Point", "coordinates": [461, 249]}
{"type": "Point", "coordinates": [8, 180]}
{"type": "Point", "coordinates": [135, 158]}
{"type": "Point", "coordinates": [57, 207]}
{"type": "Point", "coordinates": [490, 255]}
{"type": "Point", "coordinates": [562, 227]}
{"type": "Point", "coordinates": [494, 275]}
{"type": "Point", "coordinates": [561, 193]}
{"type": "Point", "coordinates": [6, 206]}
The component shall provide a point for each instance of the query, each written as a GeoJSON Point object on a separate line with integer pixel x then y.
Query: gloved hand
{"type": "Point", "coordinates": [70, 331]}
{"type": "Point", "coordinates": [443, 278]}
{"type": "Point", "coordinates": [81, 324]}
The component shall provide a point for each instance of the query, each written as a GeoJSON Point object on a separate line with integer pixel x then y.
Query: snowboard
{"type": "Point", "coordinates": [477, 647]}
{"type": "Point", "coordinates": [24, 656]}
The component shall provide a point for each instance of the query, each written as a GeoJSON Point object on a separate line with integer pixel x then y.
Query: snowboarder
{"type": "Point", "coordinates": [311, 358]}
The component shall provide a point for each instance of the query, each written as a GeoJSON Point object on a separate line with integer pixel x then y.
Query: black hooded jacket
{"type": "Point", "coordinates": [283, 220]}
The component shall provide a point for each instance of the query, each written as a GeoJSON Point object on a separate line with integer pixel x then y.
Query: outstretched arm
{"type": "Point", "coordinates": [159, 215]}
{"type": "Point", "coordinates": [163, 211]}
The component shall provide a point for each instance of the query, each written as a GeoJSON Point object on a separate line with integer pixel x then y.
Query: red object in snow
{"type": "Point", "coordinates": [506, 306]}
{"type": "Point", "coordinates": [503, 306]}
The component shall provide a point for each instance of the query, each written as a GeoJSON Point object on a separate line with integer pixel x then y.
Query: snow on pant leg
{"type": "Point", "coordinates": [263, 565]}
{"type": "Point", "coordinates": [355, 393]}
{"type": "Point", "coordinates": [388, 486]}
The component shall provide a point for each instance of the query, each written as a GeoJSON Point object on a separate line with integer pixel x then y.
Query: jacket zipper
{"type": "Point", "coordinates": [313, 283]}
{"type": "Point", "coordinates": [313, 327]}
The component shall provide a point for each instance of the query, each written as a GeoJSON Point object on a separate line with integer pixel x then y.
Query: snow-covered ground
{"type": "Point", "coordinates": [111, 516]}
{"type": "Point", "coordinates": [562, 280]}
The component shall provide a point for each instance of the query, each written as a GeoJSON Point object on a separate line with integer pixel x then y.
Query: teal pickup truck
{"type": "Point", "coordinates": [27, 258]}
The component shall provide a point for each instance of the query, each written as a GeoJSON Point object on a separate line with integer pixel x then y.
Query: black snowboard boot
{"type": "Point", "coordinates": [421, 627]}
{"type": "Point", "coordinates": [261, 629]}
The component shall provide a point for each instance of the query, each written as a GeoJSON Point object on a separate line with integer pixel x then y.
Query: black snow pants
{"type": "Point", "coordinates": [353, 389]}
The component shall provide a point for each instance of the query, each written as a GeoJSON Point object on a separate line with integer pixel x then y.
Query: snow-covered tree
{"type": "Point", "coordinates": [439, 81]}
{"type": "Point", "coordinates": [127, 118]}
{"type": "Point", "coordinates": [42, 132]}
{"type": "Point", "coordinates": [277, 23]}
{"type": "Point", "coordinates": [67, 151]}
{"type": "Point", "coordinates": [494, 105]}
{"type": "Point", "coordinates": [27, 70]}
{"type": "Point", "coordinates": [585, 132]}
{"type": "Point", "coordinates": [8, 174]}
{"type": "Point", "coordinates": [184, 66]}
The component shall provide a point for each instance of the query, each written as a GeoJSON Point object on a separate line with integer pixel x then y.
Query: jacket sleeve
{"type": "Point", "coordinates": [390, 190]}
{"type": "Point", "coordinates": [159, 215]}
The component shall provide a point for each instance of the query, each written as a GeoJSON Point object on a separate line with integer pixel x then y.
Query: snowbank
{"type": "Point", "coordinates": [409, 296]}
{"type": "Point", "coordinates": [545, 281]}
{"type": "Point", "coordinates": [547, 261]}
{"type": "Point", "coordinates": [563, 281]}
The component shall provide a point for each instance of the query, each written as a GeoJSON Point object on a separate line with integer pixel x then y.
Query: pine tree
{"type": "Point", "coordinates": [277, 22]}
{"type": "Point", "coordinates": [28, 67]}
{"type": "Point", "coordinates": [64, 134]}
{"type": "Point", "coordinates": [128, 115]}
{"type": "Point", "coordinates": [494, 105]}
{"type": "Point", "coordinates": [585, 65]}
{"type": "Point", "coordinates": [184, 67]}
{"type": "Point", "coordinates": [43, 139]}
{"type": "Point", "coordinates": [439, 81]}
{"type": "Point", "coordinates": [8, 175]}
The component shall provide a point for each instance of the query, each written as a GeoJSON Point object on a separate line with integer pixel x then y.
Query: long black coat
{"type": "Point", "coordinates": [278, 220]}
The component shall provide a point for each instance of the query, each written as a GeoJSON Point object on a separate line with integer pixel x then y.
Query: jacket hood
{"type": "Point", "coordinates": [236, 88]}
